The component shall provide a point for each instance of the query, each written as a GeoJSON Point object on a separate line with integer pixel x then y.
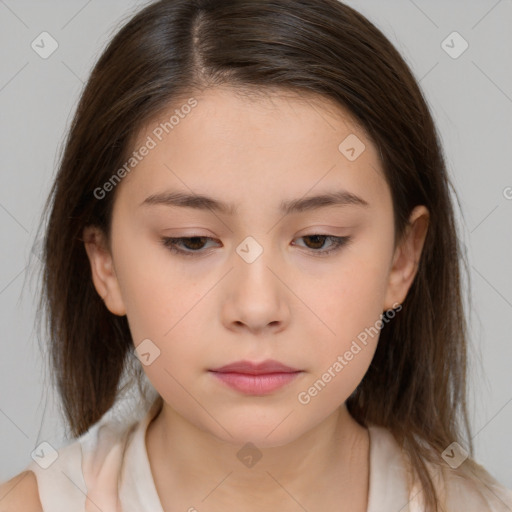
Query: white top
{"type": "Point", "coordinates": [109, 466]}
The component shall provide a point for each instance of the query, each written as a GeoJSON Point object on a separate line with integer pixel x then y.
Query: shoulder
{"type": "Point", "coordinates": [83, 469]}
{"type": "Point", "coordinates": [20, 493]}
{"type": "Point", "coordinates": [474, 489]}
{"type": "Point", "coordinates": [468, 488]}
{"type": "Point", "coordinates": [87, 467]}
{"type": "Point", "coordinates": [60, 480]}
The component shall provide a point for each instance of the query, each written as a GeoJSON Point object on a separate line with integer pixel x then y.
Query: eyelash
{"type": "Point", "coordinates": [338, 243]}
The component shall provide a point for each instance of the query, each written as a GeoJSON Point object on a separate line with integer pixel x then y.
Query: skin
{"type": "Point", "coordinates": [290, 304]}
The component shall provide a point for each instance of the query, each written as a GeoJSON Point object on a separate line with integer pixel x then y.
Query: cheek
{"type": "Point", "coordinates": [349, 303]}
{"type": "Point", "coordinates": [162, 307]}
{"type": "Point", "coordinates": [155, 295]}
{"type": "Point", "coordinates": [350, 307]}
{"type": "Point", "coordinates": [350, 300]}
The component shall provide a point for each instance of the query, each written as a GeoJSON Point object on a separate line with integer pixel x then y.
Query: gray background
{"type": "Point", "coordinates": [471, 100]}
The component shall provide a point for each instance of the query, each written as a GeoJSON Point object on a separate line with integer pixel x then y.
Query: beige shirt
{"type": "Point", "coordinates": [107, 469]}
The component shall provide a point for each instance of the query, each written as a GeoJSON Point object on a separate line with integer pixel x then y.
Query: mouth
{"type": "Point", "coordinates": [256, 378]}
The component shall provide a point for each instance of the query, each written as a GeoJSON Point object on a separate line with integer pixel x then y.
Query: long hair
{"type": "Point", "coordinates": [416, 383]}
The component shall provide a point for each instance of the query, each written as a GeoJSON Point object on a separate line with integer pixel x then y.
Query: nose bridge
{"type": "Point", "coordinates": [260, 249]}
{"type": "Point", "coordinates": [254, 255]}
{"type": "Point", "coordinates": [256, 296]}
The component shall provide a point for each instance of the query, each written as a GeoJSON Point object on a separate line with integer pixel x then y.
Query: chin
{"type": "Point", "coordinates": [266, 433]}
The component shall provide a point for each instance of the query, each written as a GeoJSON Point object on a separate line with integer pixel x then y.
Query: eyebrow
{"type": "Point", "coordinates": [203, 202]}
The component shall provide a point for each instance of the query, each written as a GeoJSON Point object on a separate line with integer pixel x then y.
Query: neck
{"type": "Point", "coordinates": [328, 462]}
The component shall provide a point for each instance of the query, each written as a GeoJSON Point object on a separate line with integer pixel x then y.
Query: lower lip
{"type": "Point", "coordinates": [256, 384]}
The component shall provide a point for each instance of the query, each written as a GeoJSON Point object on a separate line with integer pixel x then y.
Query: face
{"type": "Point", "coordinates": [280, 277]}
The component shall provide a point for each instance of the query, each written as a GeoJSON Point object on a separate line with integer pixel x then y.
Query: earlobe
{"type": "Point", "coordinates": [102, 270]}
{"type": "Point", "coordinates": [406, 258]}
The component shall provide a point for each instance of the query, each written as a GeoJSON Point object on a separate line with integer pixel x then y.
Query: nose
{"type": "Point", "coordinates": [256, 296]}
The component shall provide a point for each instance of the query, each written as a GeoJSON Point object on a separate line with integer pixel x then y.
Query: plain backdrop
{"type": "Point", "coordinates": [471, 100]}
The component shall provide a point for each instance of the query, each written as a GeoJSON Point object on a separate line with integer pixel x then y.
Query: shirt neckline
{"type": "Point", "coordinates": [387, 489]}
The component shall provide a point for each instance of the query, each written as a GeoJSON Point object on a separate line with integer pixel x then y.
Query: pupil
{"type": "Point", "coordinates": [192, 241]}
{"type": "Point", "coordinates": [317, 237]}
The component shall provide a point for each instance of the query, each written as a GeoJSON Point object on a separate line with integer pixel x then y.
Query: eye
{"type": "Point", "coordinates": [197, 243]}
{"type": "Point", "coordinates": [194, 245]}
{"type": "Point", "coordinates": [318, 241]}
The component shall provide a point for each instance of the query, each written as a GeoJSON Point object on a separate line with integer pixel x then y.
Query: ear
{"type": "Point", "coordinates": [406, 258]}
{"type": "Point", "coordinates": [102, 268]}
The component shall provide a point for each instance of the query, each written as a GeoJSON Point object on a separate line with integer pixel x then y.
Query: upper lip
{"type": "Point", "coordinates": [248, 367]}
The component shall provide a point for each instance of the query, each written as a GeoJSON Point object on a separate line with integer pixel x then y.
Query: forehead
{"type": "Point", "coordinates": [241, 143]}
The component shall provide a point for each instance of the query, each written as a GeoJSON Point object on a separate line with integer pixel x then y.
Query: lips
{"type": "Point", "coordinates": [249, 368]}
{"type": "Point", "coordinates": [257, 379]}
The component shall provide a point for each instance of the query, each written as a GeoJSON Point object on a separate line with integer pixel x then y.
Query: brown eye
{"type": "Point", "coordinates": [316, 242]}
{"type": "Point", "coordinates": [193, 244]}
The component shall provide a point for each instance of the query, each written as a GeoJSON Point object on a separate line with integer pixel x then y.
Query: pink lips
{"type": "Point", "coordinates": [256, 378]}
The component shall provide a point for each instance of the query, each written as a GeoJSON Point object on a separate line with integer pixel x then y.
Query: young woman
{"type": "Point", "coordinates": [253, 202]}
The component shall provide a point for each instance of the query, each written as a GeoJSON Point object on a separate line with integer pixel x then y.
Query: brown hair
{"type": "Point", "coordinates": [416, 383]}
